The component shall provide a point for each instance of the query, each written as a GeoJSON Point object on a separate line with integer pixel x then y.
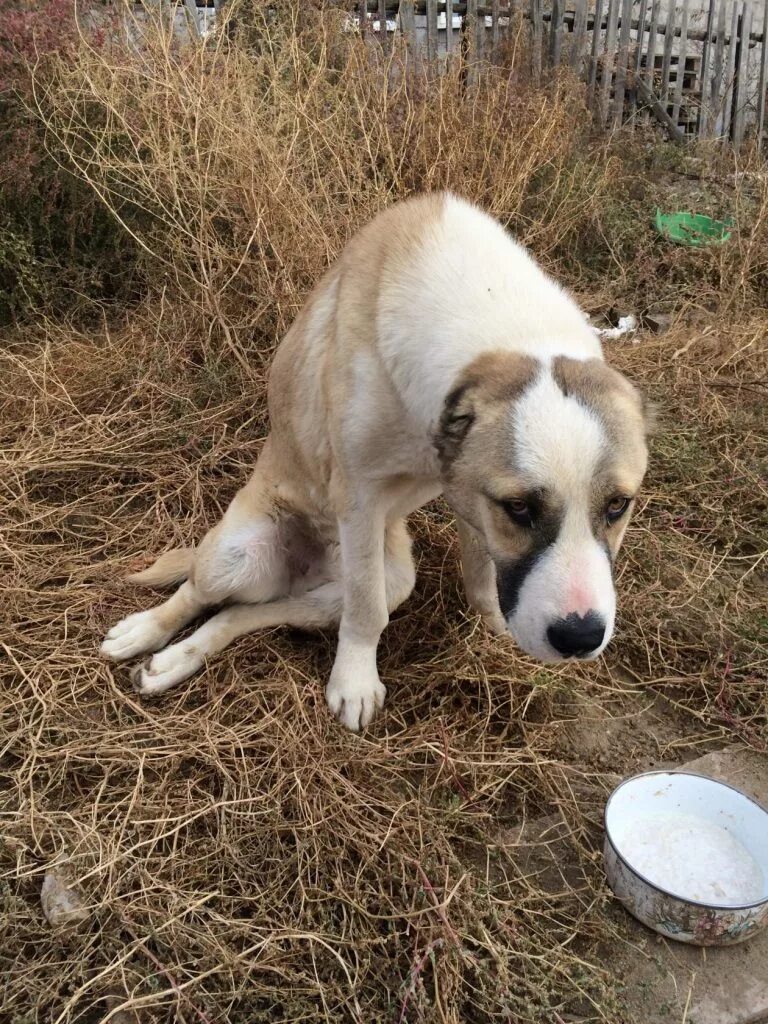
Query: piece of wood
{"type": "Point", "coordinates": [579, 33]}
{"type": "Point", "coordinates": [362, 15]}
{"type": "Point", "coordinates": [609, 57]}
{"type": "Point", "coordinates": [741, 81]}
{"type": "Point", "coordinates": [763, 83]}
{"type": "Point", "coordinates": [730, 71]}
{"type": "Point", "coordinates": [650, 53]}
{"type": "Point", "coordinates": [702, 126]}
{"type": "Point", "coordinates": [537, 21]}
{"type": "Point", "coordinates": [682, 53]}
{"type": "Point", "coordinates": [383, 38]}
{"type": "Point", "coordinates": [556, 33]}
{"type": "Point", "coordinates": [432, 32]}
{"type": "Point", "coordinates": [639, 49]}
{"type": "Point", "coordinates": [715, 98]}
{"type": "Point", "coordinates": [479, 32]}
{"type": "Point", "coordinates": [190, 10]}
{"type": "Point", "coordinates": [495, 26]}
{"type": "Point", "coordinates": [469, 44]}
{"type": "Point", "coordinates": [408, 23]}
{"type": "Point", "coordinates": [597, 28]}
{"type": "Point", "coordinates": [448, 26]}
{"type": "Point", "coordinates": [622, 60]}
{"type": "Point", "coordinates": [660, 111]}
{"type": "Point", "coordinates": [669, 38]}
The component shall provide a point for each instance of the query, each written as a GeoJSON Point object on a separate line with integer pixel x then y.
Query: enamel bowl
{"type": "Point", "coordinates": [688, 856]}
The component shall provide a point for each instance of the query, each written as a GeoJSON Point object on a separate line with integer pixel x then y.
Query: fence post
{"type": "Point", "coordinates": [597, 28]}
{"type": "Point", "coordinates": [408, 24]}
{"type": "Point", "coordinates": [538, 24]}
{"type": "Point", "coordinates": [741, 81]}
{"type": "Point", "coordinates": [579, 33]}
{"type": "Point", "coordinates": [638, 57]}
{"type": "Point", "coordinates": [608, 58]}
{"type": "Point", "coordinates": [678, 93]}
{"type": "Point", "coordinates": [469, 44]}
{"type": "Point", "coordinates": [432, 34]}
{"type": "Point", "coordinates": [669, 38]}
{"type": "Point", "coordinates": [730, 71]}
{"type": "Point", "coordinates": [556, 33]}
{"type": "Point", "coordinates": [448, 26]}
{"type": "Point", "coordinates": [717, 74]}
{"type": "Point", "coordinates": [702, 127]}
{"type": "Point", "coordinates": [622, 62]}
{"type": "Point", "coordinates": [383, 25]}
{"type": "Point", "coordinates": [763, 85]}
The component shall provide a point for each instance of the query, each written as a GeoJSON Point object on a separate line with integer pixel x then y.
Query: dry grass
{"type": "Point", "coordinates": [243, 858]}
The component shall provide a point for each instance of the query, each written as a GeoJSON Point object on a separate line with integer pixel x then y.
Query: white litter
{"type": "Point", "coordinates": [693, 859]}
{"type": "Point", "coordinates": [626, 325]}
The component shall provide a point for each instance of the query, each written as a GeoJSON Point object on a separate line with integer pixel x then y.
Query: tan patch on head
{"type": "Point", "coordinates": [493, 379]}
{"type": "Point", "coordinates": [623, 413]}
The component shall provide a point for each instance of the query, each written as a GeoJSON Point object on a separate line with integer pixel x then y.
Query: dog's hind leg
{"type": "Point", "coordinates": [240, 559]}
{"type": "Point", "coordinates": [314, 609]}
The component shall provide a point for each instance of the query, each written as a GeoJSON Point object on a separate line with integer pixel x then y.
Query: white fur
{"type": "Point", "coordinates": [484, 292]}
{"type": "Point", "coordinates": [558, 446]}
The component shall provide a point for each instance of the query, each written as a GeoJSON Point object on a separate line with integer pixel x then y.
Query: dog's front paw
{"type": "Point", "coordinates": [355, 697]}
{"type": "Point", "coordinates": [167, 668]}
{"type": "Point", "coordinates": [136, 634]}
{"type": "Point", "coordinates": [494, 622]}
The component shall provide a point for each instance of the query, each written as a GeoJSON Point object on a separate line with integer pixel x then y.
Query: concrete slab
{"type": "Point", "coordinates": [669, 982]}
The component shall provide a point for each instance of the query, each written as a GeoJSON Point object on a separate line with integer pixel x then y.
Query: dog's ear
{"type": "Point", "coordinates": [456, 420]}
{"type": "Point", "coordinates": [651, 414]}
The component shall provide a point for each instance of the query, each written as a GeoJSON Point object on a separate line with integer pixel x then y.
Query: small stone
{"type": "Point", "coordinates": [657, 323]}
{"type": "Point", "coordinates": [62, 906]}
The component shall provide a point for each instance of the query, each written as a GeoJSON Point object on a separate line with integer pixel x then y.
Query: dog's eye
{"type": "Point", "coordinates": [519, 511]}
{"type": "Point", "coordinates": [616, 508]}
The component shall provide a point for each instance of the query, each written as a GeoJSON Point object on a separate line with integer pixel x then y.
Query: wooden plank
{"type": "Point", "coordinates": [496, 29]}
{"type": "Point", "coordinates": [362, 14]}
{"type": "Point", "coordinates": [650, 53]}
{"type": "Point", "coordinates": [702, 126]}
{"type": "Point", "coordinates": [669, 38]}
{"type": "Point", "coordinates": [556, 33]}
{"type": "Point", "coordinates": [595, 52]}
{"type": "Point", "coordinates": [741, 83]}
{"type": "Point", "coordinates": [763, 85]}
{"type": "Point", "coordinates": [621, 63]}
{"type": "Point", "coordinates": [608, 58]}
{"type": "Point", "coordinates": [537, 21]}
{"type": "Point", "coordinates": [641, 30]}
{"type": "Point", "coordinates": [678, 93]}
{"type": "Point", "coordinates": [579, 33]}
{"type": "Point", "coordinates": [408, 23]}
{"type": "Point", "coordinates": [479, 34]}
{"type": "Point", "coordinates": [383, 37]}
{"type": "Point", "coordinates": [715, 101]}
{"type": "Point", "coordinates": [726, 117]}
{"type": "Point", "coordinates": [448, 26]}
{"type": "Point", "coordinates": [432, 31]}
{"type": "Point", "coordinates": [469, 43]}
{"type": "Point", "coordinates": [193, 23]}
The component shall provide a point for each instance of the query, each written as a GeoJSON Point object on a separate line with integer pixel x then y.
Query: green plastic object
{"type": "Point", "coordinates": [692, 229]}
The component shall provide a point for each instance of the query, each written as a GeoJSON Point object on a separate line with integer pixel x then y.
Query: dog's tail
{"type": "Point", "coordinates": [172, 567]}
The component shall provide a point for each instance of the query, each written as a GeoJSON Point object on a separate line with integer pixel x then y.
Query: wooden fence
{"type": "Point", "coordinates": [638, 57]}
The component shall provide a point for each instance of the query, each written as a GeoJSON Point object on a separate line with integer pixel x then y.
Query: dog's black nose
{"type": "Point", "coordinates": [575, 636]}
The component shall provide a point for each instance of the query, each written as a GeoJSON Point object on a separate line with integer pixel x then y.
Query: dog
{"type": "Point", "coordinates": [433, 357]}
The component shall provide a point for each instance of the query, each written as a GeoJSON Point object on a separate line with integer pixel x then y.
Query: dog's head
{"type": "Point", "coordinates": [545, 461]}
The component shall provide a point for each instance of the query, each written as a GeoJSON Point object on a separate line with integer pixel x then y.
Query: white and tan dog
{"type": "Point", "coordinates": [434, 356]}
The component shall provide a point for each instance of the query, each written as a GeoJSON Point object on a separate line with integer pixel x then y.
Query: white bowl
{"type": "Point", "coordinates": [688, 856]}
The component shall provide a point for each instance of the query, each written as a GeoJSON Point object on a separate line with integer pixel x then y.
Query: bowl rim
{"type": "Point", "coordinates": [722, 907]}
